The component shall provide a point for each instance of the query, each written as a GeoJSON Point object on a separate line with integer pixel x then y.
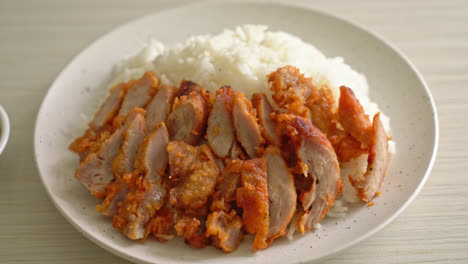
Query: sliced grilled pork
{"type": "Point", "coordinates": [264, 109]}
{"type": "Point", "coordinates": [193, 175]}
{"type": "Point", "coordinates": [132, 138]}
{"type": "Point", "coordinates": [223, 225]}
{"type": "Point", "coordinates": [225, 229]}
{"type": "Point", "coordinates": [147, 186]}
{"type": "Point", "coordinates": [139, 92]}
{"type": "Point", "coordinates": [322, 110]}
{"type": "Point", "coordinates": [291, 90]}
{"type": "Point", "coordinates": [252, 197]}
{"type": "Point", "coordinates": [153, 158]}
{"type": "Point", "coordinates": [140, 204]}
{"type": "Point", "coordinates": [193, 229]}
{"type": "Point", "coordinates": [123, 164]}
{"type": "Point", "coordinates": [102, 122]}
{"type": "Point", "coordinates": [352, 117]}
{"type": "Point", "coordinates": [318, 160]}
{"type": "Point", "coordinates": [236, 151]}
{"type": "Point", "coordinates": [227, 185]}
{"type": "Point", "coordinates": [95, 171]}
{"type": "Point", "coordinates": [161, 224]}
{"type": "Point", "coordinates": [89, 143]}
{"type": "Point", "coordinates": [368, 185]}
{"type": "Point", "coordinates": [281, 193]}
{"type": "Point", "coordinates": [115, 194]}
{"type": "Point", "coordinates": [109, 108]}
{"type": "Point", "coordinates": [220, 132]}
{"type": "Point", "coordinates": [160, 106]}
{"type": "Point", "coordinates": [245, 122]}
{"type": "Point", "coordinates": [187, 120]}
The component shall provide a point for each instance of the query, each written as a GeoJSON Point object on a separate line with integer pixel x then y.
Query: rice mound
{"type": "Point", "coordinates": [242, 58]}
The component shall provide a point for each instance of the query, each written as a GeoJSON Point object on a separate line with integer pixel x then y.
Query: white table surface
{"type": "Point", "coordinates": [38, 38]}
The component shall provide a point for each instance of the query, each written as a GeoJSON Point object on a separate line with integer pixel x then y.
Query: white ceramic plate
{"type": "Point", "coordinates": [394, 84]}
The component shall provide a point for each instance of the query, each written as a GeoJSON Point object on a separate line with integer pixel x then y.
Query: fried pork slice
{"type": "Point", "coordinates": [95, 171]}
{"type": "Point", "coordinates": [153, 159]}
{"type": "Point", "coordinates": [252, 197]}
{"type": "Point", "coordinates": [132, 138]}
{"type": "Point", "coordinates": [352, 169]}
{"type": "Point", "coordinates": [377, 162]}
{"type": "Point", "coordinates": [305, 187]}
{"type": "Point", "coordinates": [187, 120]}
{"type": "Point", "coordinates": [101, 122]}
{"type": "Point", "coordinates": [122, 164]}
{"type": "Point", "coordinates": [161, 224]}
{"type": "Point", "coordinates": [298, 96]}
{"type": "Point", "coordinates": [291, 90]}
{"type": "Point", "coordinates": [193, 175]}
{"type": "Point", "coordinates": [318, 160]}
{"type": "Point", "coordinates": [140, 204]}
{"type": "Point", "coordinates": [281, 193]}
{"type": "Point", "coordinates": [220, 163]}
{"type": "Point", "coordinates": [109, 108]}
{"type": "Point", "coordinates": [223, 225]}
{"type": "Point", "coordinates": [220, 132]}
{"type": "Point", "coordinates": [160, 106]}
{"type": "Point", "coordinates": [296, 93]}
{"type": "Point", "coordinates": [322, 110]}
{"type": "Point", "coordinates": [228, 183]}
{"type": "Point", "coordinates": [245, 122]}
{"type": "Point", "coordinates": [139, 92]}
{"type": "Point", "coordinates": [225, 229]}
{"type": "Point", "coordinates": [89, 143]}
{"type": "Point", "coordinates": [352, 117]}
{"type": "Point", "coordinates": [346, 146]}
{"type": "Point", "coordinates": [264, 109]}
{"type": "Point", "coordinates": [115, 193]}
{"type": "Point", "coordinates": [146, 184]}
{"type": "Point", "coordinates": [193, 229]}
{"type": "Point", "coordinates": [81, 144]}
{"type": "Point", "coordinates": [236, 151]}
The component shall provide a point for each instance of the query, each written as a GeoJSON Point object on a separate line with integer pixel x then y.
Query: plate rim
{"type": "Point", "coordinates": [292, 4]}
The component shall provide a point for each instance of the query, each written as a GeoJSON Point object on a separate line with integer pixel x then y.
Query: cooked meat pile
{"type": "Point", "coordinates": [210, 167]}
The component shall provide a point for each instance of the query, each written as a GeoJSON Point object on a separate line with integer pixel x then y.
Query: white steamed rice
{"type": "Point", "coordinates": [242, 58]}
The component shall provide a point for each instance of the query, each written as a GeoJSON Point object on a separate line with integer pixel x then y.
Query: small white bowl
{"type": "Point", "coordinates": [4, 129]}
